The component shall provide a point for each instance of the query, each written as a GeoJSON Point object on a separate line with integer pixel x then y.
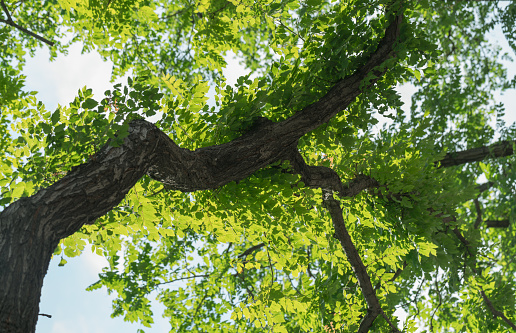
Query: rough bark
{"type": "Point", "coordinates": [31, 228]}
{"type": "Point", "coordinates": [364, 281]}
{"type": "Point", "coordinates": [501, 149]}
{"type": "Point", "coordinates": [329, 181]}
{"type": "Point", "coordinates": [23, 263]}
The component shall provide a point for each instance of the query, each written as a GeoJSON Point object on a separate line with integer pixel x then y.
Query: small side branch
{"type": "Point", "coordinates": [497, 223]}
{"type": "Point", "coordinates": [438, 305]}
{"type": "Point", "coordinates": [479, 213]}
{"type": "Point", "coordinates": [329, 181]}
{"type": "Point", "coordinates": [484, 186]}
{"type": "Point", "coordinates": [10, 22]}
{"type": "Point", "coordinates": [193, 276]}
{"type": "Point", "coordinates": [495, 312]}
{"type": "Point", "coordinates": [4, 7]}
{"type": "Point", "coordinates": [391, 324]}
{"type": "Point", "coordinates": [394, 277]}
{"type": "Point", "coordinates": [251, 250]}
{"type": "Point", "coordinates": [489, 223]}
{"type": "Point", "coordinates": [464, 242]}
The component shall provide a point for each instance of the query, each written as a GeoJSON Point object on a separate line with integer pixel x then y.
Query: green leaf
{"type": "Point", "coordinates": [89, 104]}
{"type": "Point", "coordinates": [62, 262]}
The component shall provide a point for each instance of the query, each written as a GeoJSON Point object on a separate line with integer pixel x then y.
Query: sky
{"type": "Point", "coordinates": [63, 296]}
{"type": "Point", "coordinates": [73, 309]}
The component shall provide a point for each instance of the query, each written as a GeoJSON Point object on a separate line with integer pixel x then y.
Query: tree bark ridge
{"type": "Point", "coordinates": [92, 189]}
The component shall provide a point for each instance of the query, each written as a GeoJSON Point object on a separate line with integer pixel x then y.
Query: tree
{"type": "Point", "coordinates": [278, 204]}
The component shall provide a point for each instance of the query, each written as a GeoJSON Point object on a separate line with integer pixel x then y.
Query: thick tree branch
{"type": "Point", "coordinates": [346, 90]}
{"type": "Point", "coordinates": [94, 188]}
{"type": "Point", "coordinates": [10, 22]}
{"type": "Point", "coordinates": [329, 181]}
{"type": "Point", "coordinates": [212, 167]}
{"type": "Point", "coordinates": [501, 149]}
{"type": "Point", "coordinates": [364, 281]}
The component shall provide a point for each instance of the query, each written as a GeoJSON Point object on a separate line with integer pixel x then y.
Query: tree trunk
{"type": "Point", "coordinates": [31, 228]}
{"type": "Point", "coordinates": [26, 247]}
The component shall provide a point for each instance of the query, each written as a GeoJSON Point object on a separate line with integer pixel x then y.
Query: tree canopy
{"type": "Point", "coordinates": [278, 204]}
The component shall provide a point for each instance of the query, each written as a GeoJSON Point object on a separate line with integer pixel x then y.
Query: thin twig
{"type": "Point", "coordinates": [490, 305]}
{"type": "Point", "coordinates": [479, 213]}
{"type": "Point", "coordinates": [438, 305]}
{"type": "Point", "coordinates": [292, 31]}
{"type": "Point", "coordinates": [10, 22]}
{"type": "Point", "coordinates": [394, 277]}
{"type": "Point", "coordinates": [242, 277]}
{"type": "Point", "coordinates": [251, 250]}
{"type": "Point", "coordinates": [308, 266]}
{"type": "Point", "coordinates": [394, 328]}
{"type": "Point", "coordinates": [183, 278]}
{"type": "Point", "coordinates": [417, 295]}
{"type": "Point", "coordinates": [4, 7]}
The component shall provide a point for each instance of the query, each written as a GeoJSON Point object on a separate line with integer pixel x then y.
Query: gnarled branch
{"type": "Point", "coordinates": [94, 188]}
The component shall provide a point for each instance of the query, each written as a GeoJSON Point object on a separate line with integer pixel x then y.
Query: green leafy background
{"type": "Point", "coordinates": [183, 248]}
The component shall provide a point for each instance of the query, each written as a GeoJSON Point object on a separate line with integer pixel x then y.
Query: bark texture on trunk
{"type": "Point", "coordinates": [24, 259]}
{"type": "Point", "coordinates": [31, 228]}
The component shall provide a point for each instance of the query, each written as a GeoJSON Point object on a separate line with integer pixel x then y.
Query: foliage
{"type": "Point", "coordinates": [262, 254]}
